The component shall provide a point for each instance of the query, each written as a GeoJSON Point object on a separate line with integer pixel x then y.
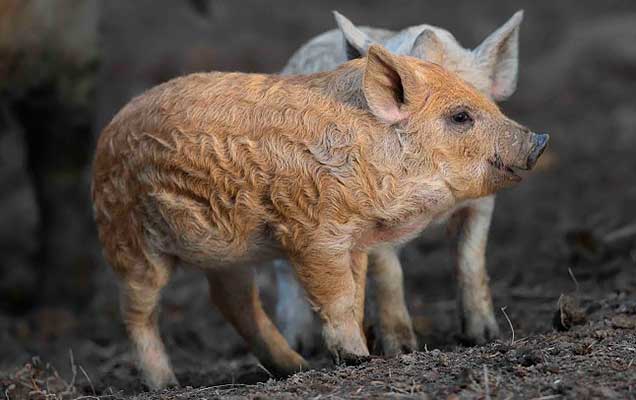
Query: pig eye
{"type": "Point", "coordinates": [461, 118]}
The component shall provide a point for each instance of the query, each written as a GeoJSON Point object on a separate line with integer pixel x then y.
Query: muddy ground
{"type": "Point", "coordinates": [569, 228]}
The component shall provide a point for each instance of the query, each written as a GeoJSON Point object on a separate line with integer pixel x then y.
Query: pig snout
{"type": "Point", "coordinates": [540, 142]}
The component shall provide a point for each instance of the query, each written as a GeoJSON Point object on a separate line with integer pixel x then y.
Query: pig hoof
{"type": "Point", "coordinates": [346, 343]}
{"type": "Point", "coordinates": [344, 358]}
{"type": "Point", "coordinates": [285, 371]}
{"type": "Point", "coordinates": [398, 341]}
{"type": "Point", "coordinates": [282, 373]}
{"type": "Point", "coordinates": [351, 355]}
{"type": "Point", "coordinates": [162, 380]}
{"type": "Point", "coordinates": [478, 331]}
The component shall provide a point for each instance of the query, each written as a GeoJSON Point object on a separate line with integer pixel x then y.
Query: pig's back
{"type": "Point", "coordinates": [201, 116]}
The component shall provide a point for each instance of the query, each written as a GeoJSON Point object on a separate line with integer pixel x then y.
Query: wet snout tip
{"type": "Point", "coordinates": [540, 143]}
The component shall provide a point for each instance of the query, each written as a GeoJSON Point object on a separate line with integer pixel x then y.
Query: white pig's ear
{"type": "Point", "coordinates": [428, 47]}
{"type": "Point", "coordinates": [499, 53]}
{"type": "Point", "coordinates": [356, 42]}
{"type": "Point", "coordinates": [384, 85]}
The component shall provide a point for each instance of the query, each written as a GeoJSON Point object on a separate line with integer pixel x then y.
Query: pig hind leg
{"type": "Point", "coordinates": [235, 293]}
{"type": "Point", "coordinates": [139, 302]}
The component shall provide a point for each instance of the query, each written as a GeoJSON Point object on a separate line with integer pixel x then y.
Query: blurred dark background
{"type": "Point", "coordinates": [67, 66]}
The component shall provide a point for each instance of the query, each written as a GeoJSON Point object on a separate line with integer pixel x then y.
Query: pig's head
{"type": "Point", "coordinates": [491, 67]}
{"type": "Point", "coordinates": [449, 130]}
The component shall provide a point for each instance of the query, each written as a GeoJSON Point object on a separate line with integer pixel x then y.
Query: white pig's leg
{"type": "Point", "coordinates": [294, 316]}
{"type": "Point", "coordinates": [394, 322]}
{"type": "Point", "coordinates": [474, 298]}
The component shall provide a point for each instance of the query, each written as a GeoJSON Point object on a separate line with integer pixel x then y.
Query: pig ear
{"type": "Point", "coordinates": [356, 42]}
{"type": "Point", "coordinates": [428, 47]}
{"type": "Point", "coordinates": [499, 54]}
{"type": "Point", "coordinates": [383, 85]}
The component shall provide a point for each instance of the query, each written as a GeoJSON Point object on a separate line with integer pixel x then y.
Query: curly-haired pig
{"type": "Point", "coordinates": [222, 171]}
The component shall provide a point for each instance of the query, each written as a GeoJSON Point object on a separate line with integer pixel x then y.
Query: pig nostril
{"type": "Point", "coordinates": [542, 139]}
{"type": "Point", "coordinates": [540, 142]}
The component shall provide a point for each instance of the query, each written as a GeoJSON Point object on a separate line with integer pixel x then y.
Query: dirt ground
{"type": "Point", "coordinates": [592, 361]}
{"type": "Point", "coordinates": [579, 346]}
{"type": "Point", "coordinates": [568, 229]}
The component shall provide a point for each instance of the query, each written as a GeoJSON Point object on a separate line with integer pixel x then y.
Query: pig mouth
{"type": "Point", "coordinates": [507, 171]}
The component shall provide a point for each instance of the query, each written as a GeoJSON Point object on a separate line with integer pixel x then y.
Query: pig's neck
{"type": "Point", "coordinates": [400, 189]}
{"type": "Point", "coordinates": [404, 192]}
{"type": "Point", "coordinates": [344, 84]}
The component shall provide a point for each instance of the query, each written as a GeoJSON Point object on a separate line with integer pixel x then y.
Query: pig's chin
{"type": "Point", "coordinates": [502, 171]}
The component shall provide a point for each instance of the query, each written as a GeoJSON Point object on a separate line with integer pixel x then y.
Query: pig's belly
{"type": "Point", "coordinates": [443, 218]}
{"type": "Point", "coordinates": [185, 228]}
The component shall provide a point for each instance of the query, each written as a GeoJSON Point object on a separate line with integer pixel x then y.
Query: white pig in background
{"type": "Point", "coordinates": [492, 68]}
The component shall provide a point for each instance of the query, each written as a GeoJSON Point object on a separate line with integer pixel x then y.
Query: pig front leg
{"type": "Point", "coordinates": [335, 287]}
{"type": "Point", "coordinates": [396, 333]}
{"type": "Point", "coordinates": [474, 299]}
